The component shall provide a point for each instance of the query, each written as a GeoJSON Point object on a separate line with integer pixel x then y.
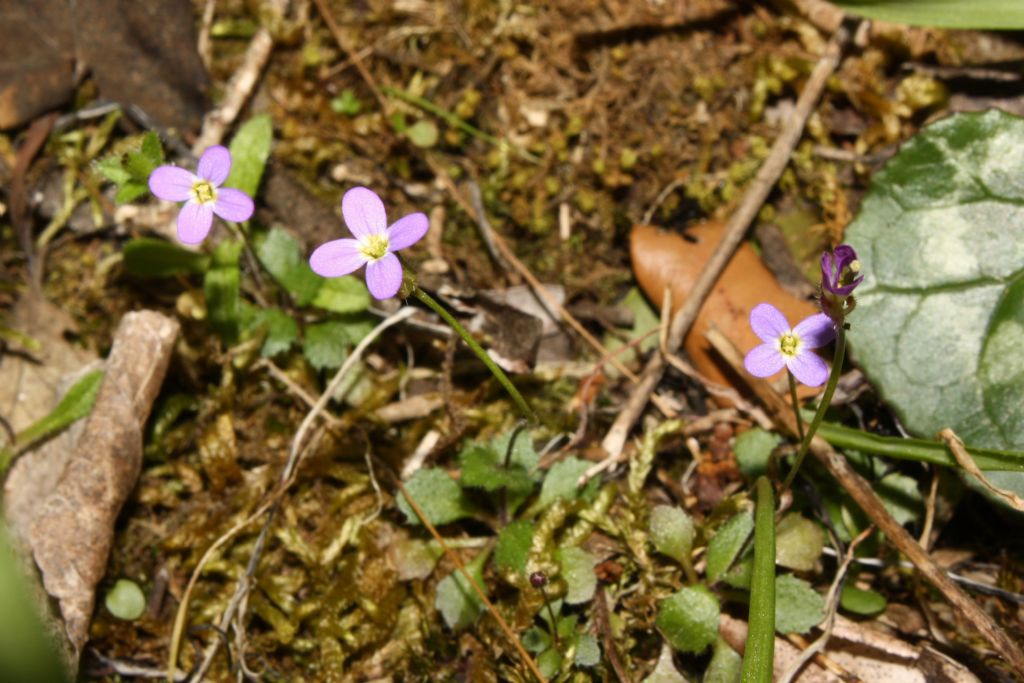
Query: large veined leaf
{"type": "Point", "coordinates": [939, 325]}
{"type": "Point", "coordinates": [979, 14]}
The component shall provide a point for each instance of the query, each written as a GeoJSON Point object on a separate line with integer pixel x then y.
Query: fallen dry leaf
{"type": "Point", "coordinates": [73, 528]}
{"type": "Point", "coordinates": [860, 649]}
{"type": "Point", "coordinates": [662, 258]}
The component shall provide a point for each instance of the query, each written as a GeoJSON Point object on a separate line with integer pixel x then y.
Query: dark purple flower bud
{"type": "Point", "coordinates": [840, 271]}
{"type": "Point", "coordinates": [538, 580]}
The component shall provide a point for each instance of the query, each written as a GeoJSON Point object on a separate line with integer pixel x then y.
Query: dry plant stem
{"type": "Point", "coordinates": [353, 55]}
{"type": "Point", "coordinates": [831, 605]}
{"type": "Point", "coordinates": [964, 459]}
{"type": "Point", "coordinates": [217, 122]}
{"type": "Point", "coordinates": [506, 629]}
{"type": "Point", "coordinates": [740, 220]}
{"type": "Point", "coordinates": [242, 590]}
{"type": "Point", "coordinates": [864, 495]}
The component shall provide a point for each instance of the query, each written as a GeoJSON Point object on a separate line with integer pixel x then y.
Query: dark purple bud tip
{"type": "Point", "coordinates": [538, 580]}
{"type": "Point", "coordinates": [840, 271]}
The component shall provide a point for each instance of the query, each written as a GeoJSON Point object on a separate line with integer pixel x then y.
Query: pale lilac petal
{"type": "Point", "coordinates": [768, 322]}
{"type": "Point", "coordinates": [384, 276]}
{"type": "Point", "coordinates": [194, 222]}
{"type": "Point", "coordinates": [809, 368]}
{"type": "Point", "coordinates": [233, 205]}
{"type": "Point", "coordinates": [816, 330]}
{"type": "Point", "coordinates": [364, 212]}
{"type": "Point", "coordinates": [171, 183]}
{"type": "Point", "coordinates": [764, 361]}
{"type": "Point", "coordinates": [407, 231]}
{"type": "Point", "coordinates": [215, 165]}
{"type": "Point", "coordinates": [336, 258]}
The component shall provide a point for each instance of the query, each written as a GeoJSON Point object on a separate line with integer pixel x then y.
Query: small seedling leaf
{"type": "Point", "coordinates": [438, 495]}
{"type": "Point", "coordinates": [727, 544]}
{"type": "Point", "coordinates": [798, 607]}
{"type": "Point", "coordinates": [689, 619]}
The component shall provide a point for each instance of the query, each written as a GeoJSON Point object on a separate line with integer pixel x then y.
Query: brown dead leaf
{"type": "Point", "coordinates": [72, 531]}
{"type": "Point", "coordinates": [663, 259]}
{"type": "Point", "coordinates": [860, 649]}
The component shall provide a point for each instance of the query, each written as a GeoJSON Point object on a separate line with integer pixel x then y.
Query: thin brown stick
{"type": "Point", "coordinates": [353, 55]}
{"type": "Point", "coordinates": [964, 459]}
{"type": "Point", "coordinates": [240, 87]}
{"type": "Point", "coordinates": [864, 495]}
{"type": "Point", "coordinates": [506, 629]}
{"type": "Point", "coordinates": [740, 220]}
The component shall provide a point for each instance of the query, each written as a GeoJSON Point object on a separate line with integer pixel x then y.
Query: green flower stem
{"type": "Point", "coordinates": [796, 405]}
{"type": "Point", "coordinates": [498, 373]}
{"type": "Point", "coordinates": [826, 399]}
{"type": "Point", "coordinates": [760, 649]}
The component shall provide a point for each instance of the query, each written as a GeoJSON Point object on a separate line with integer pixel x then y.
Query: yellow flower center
{"type": "Point", "coordinates": [789, 343]}
{"type": "Point", "coordinates": [204, 192]}
{"type": "Point", "coordinates": [374, 247]}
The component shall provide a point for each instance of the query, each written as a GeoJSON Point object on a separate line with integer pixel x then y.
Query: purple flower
{"type": "Point", "coordinates": [789, 347]}
{"type": "Point", "coordinates": [373, 244]}
{"type": "Point", "coordinates": [839, 271]}
{"type": "Point", "coordinates": [202, 194]}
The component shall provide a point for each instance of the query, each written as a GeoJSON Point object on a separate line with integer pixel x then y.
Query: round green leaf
{"type": "Point", "coordinates": [423, 133]}
{"type": "Point", "coordinates": [798, 607]}
{"type": "Point", "coordinates": [864, 602]}
{"type": "Point", "coordinates": [126, 600]}
{"type": "Point", "coordinates": [798, 542]}
{"type": "Point", "coordinates": [437, 494]}
{"type": "Point", "coordinates": [939, 324]}
{"type": "Point", "coordinates": [689, 619]}
{"type": "Point", "coordinates": [578, 572]}
{"type": "Point", "coordinates": [671, 531]}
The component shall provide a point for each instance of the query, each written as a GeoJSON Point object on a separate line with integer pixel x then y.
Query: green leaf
{"type": "Point", "coordinates": [423, 133]}
{"type": "Point", "coordinates": [689, 619]}
{"type": "Point", "coordinates": [482, 468]}
{"type": "Point", "coordinates": [326, 344]}
{"type": "Point", "coordinates": [798, 542]}
{"type": "Point", "coordinates": [76, 404]}
{"type": "Point", "coordinates": [939, 322]}
{"type": "Point", "coordinates": [280, 254]}
{"type": "Point", "coordinates": [147, 257]}
{"type": "Point", "coordinates": [560, 482]}
{"type": "Point", "coordinates": [727, 544]}
{"type": "Point", "coordinates": [281, 330]}
{"type": "Point", "coordinates": [438, 495]}
{"type": "Point", "coordinates": [578, 572]}
{"type": "Point", "coordinates": [536, 640]}
{"type": "Point", "coordinates": [725, 664]}
{"type": "Point", "coordinates": [346, 294]}
{"type": "Point", "coordinates": [987, 14]}
{"type": "Point", "coordinates": [125, 600]}
{"type": "Point", "coordinates": [250, 149]}
{"type": "Point", "coordinates": [458, 603]}
{"type": "Point", "coordinates": [549, 662]}
{"type": "Point", "coordinates": [866, 603]}
{"type": "Point", "coordinates": [112, 168]}
{"type": "Point", "coordinates": [753, 451]}
{"type": "Point", "coordinates": [798, 607]}
{"type": "Point", "coordinates": [588, 653]}
{"type": "Point", "coordinates": [671, 531]}
{"type": "Point", "coordinates": [130, 191]}
{"type": "Point", "coordinates": [151, 149]}
{"type": "Point", "coordinates": [513, 549]}
{"type": "Point", "coordinates": [222, 286]}
{"type": "Point", "coordinates": [346, 103]}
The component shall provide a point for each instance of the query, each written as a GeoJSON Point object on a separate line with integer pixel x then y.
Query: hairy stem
{"type": "Point", "coordinates": [826, 399]}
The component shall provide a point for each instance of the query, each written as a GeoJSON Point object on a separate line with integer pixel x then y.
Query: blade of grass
{"type": "Point", "coordinates": [760, 651]}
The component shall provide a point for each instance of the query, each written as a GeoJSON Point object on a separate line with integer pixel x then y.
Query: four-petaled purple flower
{"type": "Point", "coordinates": [839, 271]}
{"type": "Point", "coordinates": [202, 193]}
{"type": "Point", "coordinates": [789, 347]}
{"type": "Point", "coordinates": [373, 245]}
